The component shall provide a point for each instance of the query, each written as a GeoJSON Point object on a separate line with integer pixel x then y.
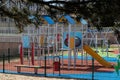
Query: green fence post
{"type": "Point", "coordinates": [92, 68]}
{"type": "Point", "coordinates": [3, 63]}
{"type": "Point", "coordinates": [8, 55]}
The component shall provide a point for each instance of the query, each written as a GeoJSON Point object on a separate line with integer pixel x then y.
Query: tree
{"type": "Point", "coordinates": [101, 13]}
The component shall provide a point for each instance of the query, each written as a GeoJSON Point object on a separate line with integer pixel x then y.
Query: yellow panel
{"type": "Point", "coordinates": [42, 40]}
{"type": "Point", "coordinates": [43, 21]}
{"type": "Point", "coordinates": [72, 42]}
{"type": "Point", "coordinates": [62, 19]}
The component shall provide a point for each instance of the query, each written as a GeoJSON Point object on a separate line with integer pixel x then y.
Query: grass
{"type": "Point", "coordinates": [101, 52]}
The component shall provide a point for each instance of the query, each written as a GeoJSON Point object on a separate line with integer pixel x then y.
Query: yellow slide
{"type": "Point", "coordinates": [91, 52]}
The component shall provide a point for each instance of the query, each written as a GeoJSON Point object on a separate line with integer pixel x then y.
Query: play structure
{"type": "Point", "coordinates": [47, 38]}
{"type": "Point", "coordinates": [56, 47]}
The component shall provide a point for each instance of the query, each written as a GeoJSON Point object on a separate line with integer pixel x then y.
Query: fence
{"type": "Point", "coordinates": [8, 63]}
{"type": "Point", "coordinates": [88, 70]}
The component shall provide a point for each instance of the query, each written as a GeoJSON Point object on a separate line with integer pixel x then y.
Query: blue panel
{"type": "Point", "coordinates": [83, 21]}
{"type": "Point", "coordinates": [31, 17]}
{"type": "Point", "coordinates": [48, 19]}
{"type": "Point", "coordinates": [69, 19]}
{"type": "Point", "coordinates": [26, 41]}
{"type": "Point", "coordinates": [78, 39]}
{"type": "Point", "coordinates": [65, 40]}
{"type": "Point", "coordinates": [76, 35]}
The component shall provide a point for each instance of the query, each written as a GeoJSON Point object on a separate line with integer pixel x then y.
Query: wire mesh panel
{"type": "Point", "coordinates": [11, 58]}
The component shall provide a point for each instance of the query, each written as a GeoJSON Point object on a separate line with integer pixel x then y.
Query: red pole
{"type": "Point", "coordinates": [32, 55]}
{"type": "Point", "coordinates": [21, 54]}
{"type": "Point", "coordinates": [58, 37]}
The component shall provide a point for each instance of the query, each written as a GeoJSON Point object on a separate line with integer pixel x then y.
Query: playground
{"type": "Point", "coordinates": [54, 50]}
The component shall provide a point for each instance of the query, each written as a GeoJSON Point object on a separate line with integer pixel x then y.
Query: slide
{"type": "Point", "coordinates": [96, 56]}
